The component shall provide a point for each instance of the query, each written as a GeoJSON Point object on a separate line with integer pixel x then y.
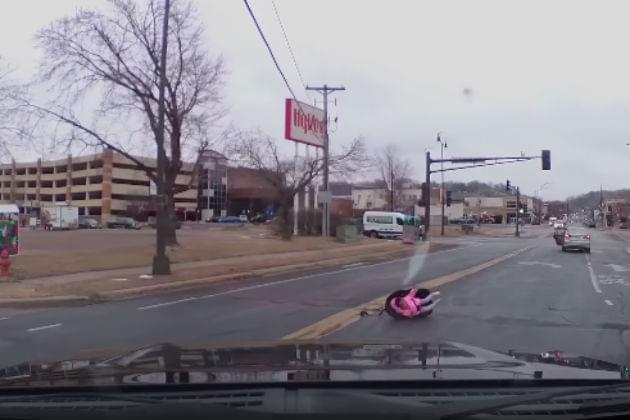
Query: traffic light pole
{"type": "Point", "coordinates": [518, 211]}
{"type": "Point", "coordinates": [474, 163]}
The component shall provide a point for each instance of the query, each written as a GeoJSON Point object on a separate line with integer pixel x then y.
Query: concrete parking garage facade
{"type": "Point", "coordinates": [101, 185]}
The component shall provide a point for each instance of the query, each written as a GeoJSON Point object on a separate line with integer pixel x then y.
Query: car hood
{"type": "Point", "coordinates": [309, 361]}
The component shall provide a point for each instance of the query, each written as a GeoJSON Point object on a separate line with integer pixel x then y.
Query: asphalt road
{"type": "Point", "coordinates": [540, 299]}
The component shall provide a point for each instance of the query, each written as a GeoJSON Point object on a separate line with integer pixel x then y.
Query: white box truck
{"type": "Point", "coordinates": [60, 217]}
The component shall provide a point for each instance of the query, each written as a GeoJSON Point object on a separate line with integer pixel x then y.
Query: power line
{"type": "Point", "coordinates": [286, 40]}
{"type": "Point", "coordinates": [273, 57]}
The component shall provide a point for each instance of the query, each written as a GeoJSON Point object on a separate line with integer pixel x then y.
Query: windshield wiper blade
{"type": "Point", "coordinates": [78, 395]}
{"type": "Point", "coordinates": [466, 409]}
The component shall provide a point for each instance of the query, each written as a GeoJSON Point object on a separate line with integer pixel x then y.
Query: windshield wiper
{"type": "Point", "coordinates": [466, 409]}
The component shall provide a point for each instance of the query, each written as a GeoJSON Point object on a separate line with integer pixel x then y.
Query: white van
{"type": "Point", "coordinates": [382, 224]}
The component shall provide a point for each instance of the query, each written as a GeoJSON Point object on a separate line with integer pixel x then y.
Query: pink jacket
{"type": "Point", "coordinates": [410, 306]}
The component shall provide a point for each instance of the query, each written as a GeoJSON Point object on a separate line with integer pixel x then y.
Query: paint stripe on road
{"type": "Point", "coordinates": [43, 327]}
{"type": "Point", "coordinates": [4, 318]}
{"type": "Point", "coordinates": [594, 281]}
{"type": "Point", "coordinates": [346, 317]}
{"type": "Point", "coordinates": [290, 280]}
{"type": "Point", "coordinates": [608, 302]}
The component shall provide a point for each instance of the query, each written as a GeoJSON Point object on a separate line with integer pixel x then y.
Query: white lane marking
{"type": "Point", "coordinates": [145, 276]}
{"type": "Point", "coordinates": [618, 268]}
{"type": "Point", "coordinates": [4, 318]}
{"type": "Point", "coordinates": [628, 250]}
{"type": "Point", "coordinates": [352, 265]}
{"type": "Point", "coordinates": [609, 303]}
{"type": "Point", "coordinates": [293, 279]}
{"type": "Point", "coordinates": [120, 279]}
{"type": "Point", "coordinates": [592, 273]}
{"type": "Point", "coordinates": [43, 327]}
{"type": "Point", "coordinates": [540, 263]}
{"type": "Point", "coordinates": [172, 302]}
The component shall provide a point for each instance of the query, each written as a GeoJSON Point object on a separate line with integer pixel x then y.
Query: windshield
{"type": "Point", "coordinates": [363, 173]}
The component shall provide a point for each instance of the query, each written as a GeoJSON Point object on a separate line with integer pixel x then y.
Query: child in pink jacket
{"type": "Point", "coordinates": [415, 303]}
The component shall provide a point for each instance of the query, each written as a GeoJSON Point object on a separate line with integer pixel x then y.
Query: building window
{"type": "Point", "coordinates": [511, 204]}
{"type": "Point", "coordinates": [130, 182]}
{"type": "Point", "coordinates": [78, 196]}
{"type": "Point", "coordinates": [8, 171]}
{"type": "Point", "coordinates": [60, 197]}
{"type": "Point", "coordinates": [19, 184]}
{"type": "Point", "coordinates": [20, 171]}
{"type": "Point", "coordinates": [48, 170]}
{"type": "Point", "coordinates": [79, 166]}
{"type": "Point", "coordinates": [61, 169]}
{"type": "Point", "coordinates": [94, 211]}
{"type": "Point", "coordinates": [95, 195]}
{"type": "Point", "coordinates": [32, 171]}
{"type": "Point", "coordinates": [31, 197]}
{"type": "Point", "coordinates": [46, 184]}
{"type": "Point", "coordinates": [79, 181]}
{"type": "Point", "coordinates": [96, 179]}
{"type": "Point", "coordinates": [61, 183]}
{"type": "Point", "coordinates": [32, 184]}
{"type": "Point", "coordinates": [46, 197]}
{"type": "Point", "coordinates": [95, 164]}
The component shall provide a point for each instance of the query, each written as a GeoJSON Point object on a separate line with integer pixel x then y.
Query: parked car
{"type": "Point", "coordinates": [463, 221]}
{"type": "Point", "coordinates": [230, 219]}
{"type": "Point", "coordinates": [88, 223]}
{"type": "Point", "coordinates": [624, 225]}
{"type": "Point", "coordinates": [575, 238]}
{"type": "Point", "coordinates": [123, 223]}
{"type": "Point", "coordinates": [258, 218]}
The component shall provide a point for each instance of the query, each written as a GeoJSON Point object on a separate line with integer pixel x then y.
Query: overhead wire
{"type": "Point", "coordinates": [273, 57]}
{"type": "Point", "coordinates": [286, 40]}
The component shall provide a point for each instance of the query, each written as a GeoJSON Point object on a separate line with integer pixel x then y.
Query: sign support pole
{"type": "Point", "coordinates": [324, 90]}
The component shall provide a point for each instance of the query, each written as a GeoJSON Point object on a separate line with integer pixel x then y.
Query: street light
{"type": "Point", "coordinates": [536, 192]}
{"type": "Point", "coordinates": [443, 145]}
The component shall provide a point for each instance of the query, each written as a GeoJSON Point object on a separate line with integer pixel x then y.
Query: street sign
{"type": "Point", "coordinates": [324, 197]}
{"type": "Point", "coordinates": [304, 123]}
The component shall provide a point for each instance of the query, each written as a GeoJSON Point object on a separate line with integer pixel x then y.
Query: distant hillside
{"type": "Point", "coordinates": [590, 200]}
{"type": "Point", "coordinates": [462, 189]}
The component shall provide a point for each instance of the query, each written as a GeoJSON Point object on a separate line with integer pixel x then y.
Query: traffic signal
{"type": "Point", "coordinates": [449, 199]}
{"type": "Point", "coordinates": [546, 160]}
{"type": "Point", "coordinates": [508, 185]}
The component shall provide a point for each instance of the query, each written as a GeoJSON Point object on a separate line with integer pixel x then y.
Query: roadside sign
{"type": "Point", "coordinates": [324, 197]}
{"type": "Point", "coordinates": [304, 123]}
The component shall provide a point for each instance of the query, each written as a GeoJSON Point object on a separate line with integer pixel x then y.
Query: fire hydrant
{"type": "Point", "coordinates": [5, 264]}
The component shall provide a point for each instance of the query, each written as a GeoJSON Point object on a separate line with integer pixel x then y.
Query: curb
{"type": "Point", "coordinates": [121, 294]}
{"type": "Point", "coordinates": [194, 283]}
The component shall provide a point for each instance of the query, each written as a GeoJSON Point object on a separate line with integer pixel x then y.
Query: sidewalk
{"type": "Point", "coordinates": [94, 286]}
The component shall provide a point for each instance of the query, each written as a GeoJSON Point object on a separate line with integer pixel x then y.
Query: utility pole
{"type": "Point", "coordinates": [324, 90]}
{"type": "Point", "coordinates": [443, 146]}
{"type": "Point", "coordinates": [391, 186]}
{"type": "Point", "coordinates": [427, 200]}
{"type": "Point", "coordinates": [518, 211]}
{"type": "Point", "coordinates": [161, 263]}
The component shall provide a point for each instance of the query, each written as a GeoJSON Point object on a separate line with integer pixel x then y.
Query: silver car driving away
{"type": "Point", "coordinates": [575, 238]}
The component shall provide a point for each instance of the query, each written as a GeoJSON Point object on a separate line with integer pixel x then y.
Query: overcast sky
{"type": "Point", "coordinates": [539, 74]}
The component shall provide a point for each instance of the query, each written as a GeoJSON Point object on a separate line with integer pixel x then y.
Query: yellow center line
{"type": "Point", "coordinates": [348, 316]}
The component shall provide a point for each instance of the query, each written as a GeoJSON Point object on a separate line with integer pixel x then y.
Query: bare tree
{"type": "Point", "coordinates": [395, 171]}
{"type": "Point", "coordinates": [287, 175]}
{"type": "Point", "coordinates": [11, 132]}
{"type": "Point", "coordinates": [115, 56]}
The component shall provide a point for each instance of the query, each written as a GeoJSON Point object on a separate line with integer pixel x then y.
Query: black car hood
{"type": "Point", "coordinates": [310, 361]}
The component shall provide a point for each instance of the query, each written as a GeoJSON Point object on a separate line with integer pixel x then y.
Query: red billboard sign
{"type": "Point", "coordinates": [304, 123]}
